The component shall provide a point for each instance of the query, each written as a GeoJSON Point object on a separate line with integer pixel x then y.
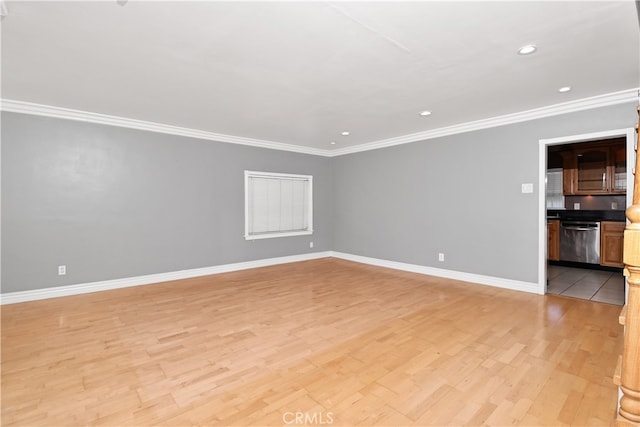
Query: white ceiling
{"type": "Point", "coordinates": [302, 72]}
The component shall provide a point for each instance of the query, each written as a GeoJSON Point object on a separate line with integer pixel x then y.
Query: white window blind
{"type": "Point", "coordinates": [277, 205]}
{"type": "Point", "coordinates": [555, 195]}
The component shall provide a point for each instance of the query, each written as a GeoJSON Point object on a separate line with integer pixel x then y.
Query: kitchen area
{"type": "Point", "coordinates": [586, 201]}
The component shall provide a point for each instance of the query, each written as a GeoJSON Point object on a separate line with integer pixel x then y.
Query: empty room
{"type": "Point", "coordinates": [319, 213]}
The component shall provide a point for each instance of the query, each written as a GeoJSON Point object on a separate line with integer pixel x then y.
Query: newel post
{"type": "Point", "coordinates": [629, 413]}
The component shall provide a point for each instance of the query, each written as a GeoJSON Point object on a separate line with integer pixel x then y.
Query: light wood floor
{"type": "Point", "coordinates": [320, 342]}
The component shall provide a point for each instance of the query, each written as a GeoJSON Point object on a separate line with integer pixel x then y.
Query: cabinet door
{"type": "Point", "coordinates": [619, 169]}
{"type": "Point", "coordinates": [553, 238]}
{"type": "Point", "coordinates": [592, 171]}
{"type": "Point", "coordinates": [568, 172]}
{"type": "Point", "coordinates": [611, 243]}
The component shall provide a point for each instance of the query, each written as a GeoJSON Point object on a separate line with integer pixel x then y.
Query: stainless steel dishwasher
{"type": "Point", "coordinates": [580, 241]}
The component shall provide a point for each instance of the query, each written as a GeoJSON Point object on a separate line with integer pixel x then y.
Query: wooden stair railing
{"type": "Point", "coordinates": [629, 412]}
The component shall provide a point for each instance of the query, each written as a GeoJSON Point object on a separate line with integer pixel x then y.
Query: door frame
{"type": "Point", "coordinates": [629, 133]}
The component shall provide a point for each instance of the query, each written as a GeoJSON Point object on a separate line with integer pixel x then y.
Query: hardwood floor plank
{"type": "Point", "coordinates": [323, 339]}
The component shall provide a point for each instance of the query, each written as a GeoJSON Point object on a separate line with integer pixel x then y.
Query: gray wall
{"type": "Point", "coordinates": [111, 202]}
{"type": "Point", "coordinates": [460, 195]}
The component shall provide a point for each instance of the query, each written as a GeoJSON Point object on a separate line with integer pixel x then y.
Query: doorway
{"type": "Point", "coordinates": [572, 280]}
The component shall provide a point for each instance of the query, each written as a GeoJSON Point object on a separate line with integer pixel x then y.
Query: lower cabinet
{"type": "Point", "coordinates": [611, 243]}
{"type": "Point", "coordinates": [553, 236]}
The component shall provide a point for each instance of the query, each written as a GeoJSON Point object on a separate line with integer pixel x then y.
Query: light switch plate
{"type": "Point", "coordinates": [527, 188]}
{"type": "Point", "coordinates": [576, 206]}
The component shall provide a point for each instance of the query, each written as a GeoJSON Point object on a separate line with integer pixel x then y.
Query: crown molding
{"type": "Point", "coordinates": [14, 106]}
{"type": "Point", "coordinates": [629, 95]}
{"type": "Point", "coordinates": [621, 97]}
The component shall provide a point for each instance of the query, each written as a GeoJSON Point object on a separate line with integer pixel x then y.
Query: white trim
{"type": "Point", "coordinates": [276, 234]}
{"type": "Point", "coordinates": [629, 95]}
{"type": "Point", "coordinates": [629, 133]}
{"type": "Point", "coordinates": [103, 119]}
{"type": "Point", "coordinates": [591, 136]}
{"type": "Point", "coordinates": [105, 285]}
{"type": "Point", "coordinates": [542, 217]}
{"type": "Point", "coordinates": [497, 282]}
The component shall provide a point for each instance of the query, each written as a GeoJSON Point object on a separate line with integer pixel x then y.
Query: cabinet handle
{"type": "Point", "coordinates": [581, 228]}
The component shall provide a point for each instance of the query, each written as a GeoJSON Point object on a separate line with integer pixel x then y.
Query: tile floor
{"type": "Point", "coordinates": [594, 285]}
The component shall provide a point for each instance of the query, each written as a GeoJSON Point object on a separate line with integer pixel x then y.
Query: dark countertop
{"type": "Point", "coordinates": [583, 215]}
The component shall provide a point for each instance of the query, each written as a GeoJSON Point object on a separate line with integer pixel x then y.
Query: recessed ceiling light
{"type": "Point", "coordinates": [527, 50]}
{"type": "Point", "coordinates": [425, 113]}
{"type": "Point", "coordinates": [345, 133]}
{"type": "Point", "coordinates": [333, 143]}
{"type": "Point", "coordinates": [564, 89]}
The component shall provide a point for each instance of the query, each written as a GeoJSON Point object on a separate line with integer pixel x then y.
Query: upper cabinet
{"type": "Point", "coordinates": [595, 168]}
{"type": "Point", "coordinates": [619, 168]}
{"type": "Point", "coordinates": [592, 170]}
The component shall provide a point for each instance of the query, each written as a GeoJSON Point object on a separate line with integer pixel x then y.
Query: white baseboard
{"type": "Point", "coordinates": [498, 282]}
{"type": "Point", "coordinates": [105, 285]}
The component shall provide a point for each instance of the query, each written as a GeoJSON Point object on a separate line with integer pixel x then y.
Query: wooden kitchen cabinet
{"type": "Point", "coordinates": [553, 239]}
{"type": "Point", "coordinates": [618, 167]}
{"type": "Point", "coordinates": [595, 168]}
{"type": "Point", "coordinates": [611, 243]}
{"type": "Point", "coordinates": [568, 170]}
{"type": "Point", "coordinates": [592, 170]}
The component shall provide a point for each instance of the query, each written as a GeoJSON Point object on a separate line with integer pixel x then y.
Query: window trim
{"type": "Point", "coordinates": [267, 235]}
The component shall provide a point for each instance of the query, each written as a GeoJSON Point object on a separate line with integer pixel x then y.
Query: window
{"type": "Point", "coordinates": [555, 196]}
{"type": "Point", "coordinates": [277, 205]}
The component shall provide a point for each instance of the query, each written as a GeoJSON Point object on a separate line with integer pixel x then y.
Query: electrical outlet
{"type": "Point", "coordinates": [576, 206]}
{"type": "Point", "coordinates": [310, 244]}
{"type": "Point", "coordinates": [441, 257]}
{"type": "Point", "coordinates": [62, 270]}
{"type": "Point", "coordinates": [614, 205]}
